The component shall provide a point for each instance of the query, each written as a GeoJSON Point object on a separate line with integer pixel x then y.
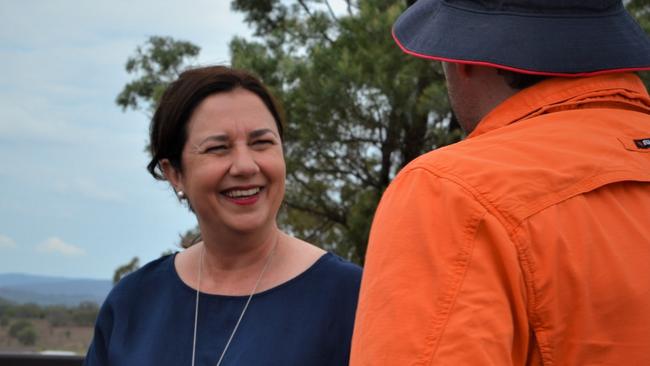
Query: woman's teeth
{"type": "Point", "coordinates": [242, 193]}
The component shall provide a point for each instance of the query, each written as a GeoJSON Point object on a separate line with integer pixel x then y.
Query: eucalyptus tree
{"type": "Point", "coordinates": [357, 109]}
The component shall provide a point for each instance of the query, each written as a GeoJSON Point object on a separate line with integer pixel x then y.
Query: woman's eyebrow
{"type": "Point", "coordinates": [225, 138]}
{"type": "Point", "coordinates": [217, 138]}
{"type": "Point", "coordinates": [260, 132]}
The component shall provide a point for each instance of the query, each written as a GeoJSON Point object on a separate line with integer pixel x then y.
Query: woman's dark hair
{"type": "Point", "coordinates": [168, 130]}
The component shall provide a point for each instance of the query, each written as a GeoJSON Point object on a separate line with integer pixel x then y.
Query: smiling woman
{"type": "Point", "coordinates": [247, 294]}
{"type": "Point", "coordinates": [232, 169]}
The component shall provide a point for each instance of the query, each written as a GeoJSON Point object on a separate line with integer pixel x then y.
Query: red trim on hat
{"type": "Point", "coordinates": [514, 69]}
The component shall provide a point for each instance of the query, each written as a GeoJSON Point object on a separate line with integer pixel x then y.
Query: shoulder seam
{"type": "Point", "coordinates": [509, 223]}
{"type": "Point", "coordinates": [528, 268]}
{"type": "Point", "coordinates": [465, 254]}
{"type": "Point", "coordinates": [453, 286]}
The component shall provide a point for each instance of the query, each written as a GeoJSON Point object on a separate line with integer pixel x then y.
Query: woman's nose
{"type": "Point", "coordinates": [243, 162]}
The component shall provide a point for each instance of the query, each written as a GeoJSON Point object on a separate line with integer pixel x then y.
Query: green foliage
{"type": "Point", "coordinates": [58, 316]}
{"type": "Point", "coordinates": [18, 326]}
{"type": "Point", "coordinates": [83, 314]}
{"type": "Point", "coordinates": [28, 310]}
{"type": "Point", "coordinates": [191, 237]}
{"type": "Point", "coordinates": [27, 336]}
{"type": "Point", "coordinates": [24, 332]}
{"type": "Point", "coordinates": [640, 9]}
{"type": "Point", "coordinates": [358, 110]}
{"type": "Point", "coordinates": [155, 65]}
{"type": "Point", "coordinates": [125, 269]}
{"type": "Point", "coordinates": [5, 308]}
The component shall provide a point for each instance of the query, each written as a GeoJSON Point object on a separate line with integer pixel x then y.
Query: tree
{"type": "Point", "coordinates": [85, 314]}
{"type": "Point", "coordinates": [27, 336]}
{"type": "Point", "coordinates": [191, 237]}
{"type": "Point", "coordinates": [155, 65]}
{"type": "Point", "coordinates": [358, 109]}
{"type": "Point", "coordinates": [24, 332]}
{"type": "Point", "coordinates": [125, 269]}
{"type": "Point", "coordinates": [640, 9]}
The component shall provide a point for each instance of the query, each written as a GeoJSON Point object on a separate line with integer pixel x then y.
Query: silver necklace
{"type": "Point", "coordinates": [234, 330]}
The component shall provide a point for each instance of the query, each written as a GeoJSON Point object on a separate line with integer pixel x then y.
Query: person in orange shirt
{"type": "Point", "coordinates": [528, 243]}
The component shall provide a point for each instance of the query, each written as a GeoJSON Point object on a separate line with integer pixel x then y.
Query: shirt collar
{"type": "Point", "coordinates": [565, 92]}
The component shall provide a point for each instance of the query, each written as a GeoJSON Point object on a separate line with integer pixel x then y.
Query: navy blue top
{"type": "Point", "coordinates": [148, 319]}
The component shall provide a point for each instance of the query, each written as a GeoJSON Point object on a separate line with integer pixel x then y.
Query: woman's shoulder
{"type": "Point", "coordinates": [332, 272]}
{"type": "Point", "coordinates": [155, 273]}
{"type": "Point", "coordinates": [315, 259]}
{"type": "Point", "coordinates": [337, 266]}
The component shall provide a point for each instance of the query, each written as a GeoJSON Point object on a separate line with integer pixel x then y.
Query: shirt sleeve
{"type": "Point", "coordinates": [442, 283]}
{"type": "Point", "coordinates": [97, 354]}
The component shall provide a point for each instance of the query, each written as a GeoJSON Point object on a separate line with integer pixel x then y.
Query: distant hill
{"type": "Point", "coordinates": [45, 290]}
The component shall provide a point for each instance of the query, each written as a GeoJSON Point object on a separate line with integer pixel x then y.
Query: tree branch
{"type": "Point", "coordinates": [311, 16]}
{"type": "Point", "coordinates": [311, 210]}
{"type": "Point", "coordinates": [350, 5]}
{"type": "Point", "coordinates": [331, 11]}
{"type": "Point", "coordinates": [357, 173]}
{"type": "Point", "coordinates": [326, 213]}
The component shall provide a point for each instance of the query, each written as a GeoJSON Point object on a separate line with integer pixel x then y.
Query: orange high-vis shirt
{"type": "Point", "coordinates": [528, 243]}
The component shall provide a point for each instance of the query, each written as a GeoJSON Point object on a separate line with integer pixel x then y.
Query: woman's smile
{"type": "Point", "coordinates": [242, 195]}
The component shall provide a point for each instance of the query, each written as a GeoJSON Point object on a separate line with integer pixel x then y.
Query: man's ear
{"type": "Point", "coordinates": [464, 70]}
{"type": "Point", "coordinates": [172, 174]}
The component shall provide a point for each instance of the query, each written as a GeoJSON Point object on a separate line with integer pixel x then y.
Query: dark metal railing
{"type": "Point", "coordinates": [33, 359]}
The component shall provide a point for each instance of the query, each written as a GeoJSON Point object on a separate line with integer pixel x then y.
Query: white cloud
{"type": "Point", "coordinates": [71, 159]}
{"type": "Point", "coordinates": [6, 242]}
{"type": "Point", "coordinates": [56, 245]}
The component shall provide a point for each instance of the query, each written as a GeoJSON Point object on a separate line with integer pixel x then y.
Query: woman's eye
{"type": "Point", "coordinates": [216, 148]}
{"type": "Point", "coordinates": [263, 142]}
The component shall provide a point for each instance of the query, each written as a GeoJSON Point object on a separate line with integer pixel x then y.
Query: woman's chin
{"type": "Point", "coordinates": [248, 224]}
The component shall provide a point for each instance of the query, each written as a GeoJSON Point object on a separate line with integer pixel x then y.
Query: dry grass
{"type": "Point", "coordinates": [64, 338]}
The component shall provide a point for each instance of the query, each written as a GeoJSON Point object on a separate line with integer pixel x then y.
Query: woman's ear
{"type": "Point", "coordinates": [172, 174]}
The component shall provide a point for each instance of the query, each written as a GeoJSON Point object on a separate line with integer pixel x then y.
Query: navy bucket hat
{"type": "Point", "coordinates": [545, 37]}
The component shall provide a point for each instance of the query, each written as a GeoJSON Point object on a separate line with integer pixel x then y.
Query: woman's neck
{"type": "Point", "coordinates": [238, 252]}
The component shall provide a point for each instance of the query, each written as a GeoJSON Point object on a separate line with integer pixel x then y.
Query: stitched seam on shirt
{"type": "Point", "coordinates": [511, 228]}
{"type": "Point", "coordinates": [453, 286]}
{"type": "Point", "coordinates": [528, 268]}
{"type": "Point", "coordinates": [512, 225]}
{"type": "Point", "coordinates": [583, 186]}
{"type": "Point", "coordinates": [459, 269]}
{"type": "Point", "coordinates": [525, 261]}
{"type": "Point", "coordinates": [508, 222]}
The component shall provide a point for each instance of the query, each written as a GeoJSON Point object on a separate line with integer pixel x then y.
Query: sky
{"type": "Point", "coordinates": [75, 197]}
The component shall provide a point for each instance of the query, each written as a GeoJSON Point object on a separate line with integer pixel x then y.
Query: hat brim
{"type": "Point", "coordinates": [558, 45]}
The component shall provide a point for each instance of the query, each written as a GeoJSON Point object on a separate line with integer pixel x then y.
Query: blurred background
{"type": "Point", "coordinates": [79, 81]}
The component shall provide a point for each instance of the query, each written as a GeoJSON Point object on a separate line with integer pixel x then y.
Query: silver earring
{"type": "Point", "coordinates": [181, 195]}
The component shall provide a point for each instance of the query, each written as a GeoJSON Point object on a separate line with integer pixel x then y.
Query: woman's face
{"type": "Point", "coordinates": [233, 167]}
